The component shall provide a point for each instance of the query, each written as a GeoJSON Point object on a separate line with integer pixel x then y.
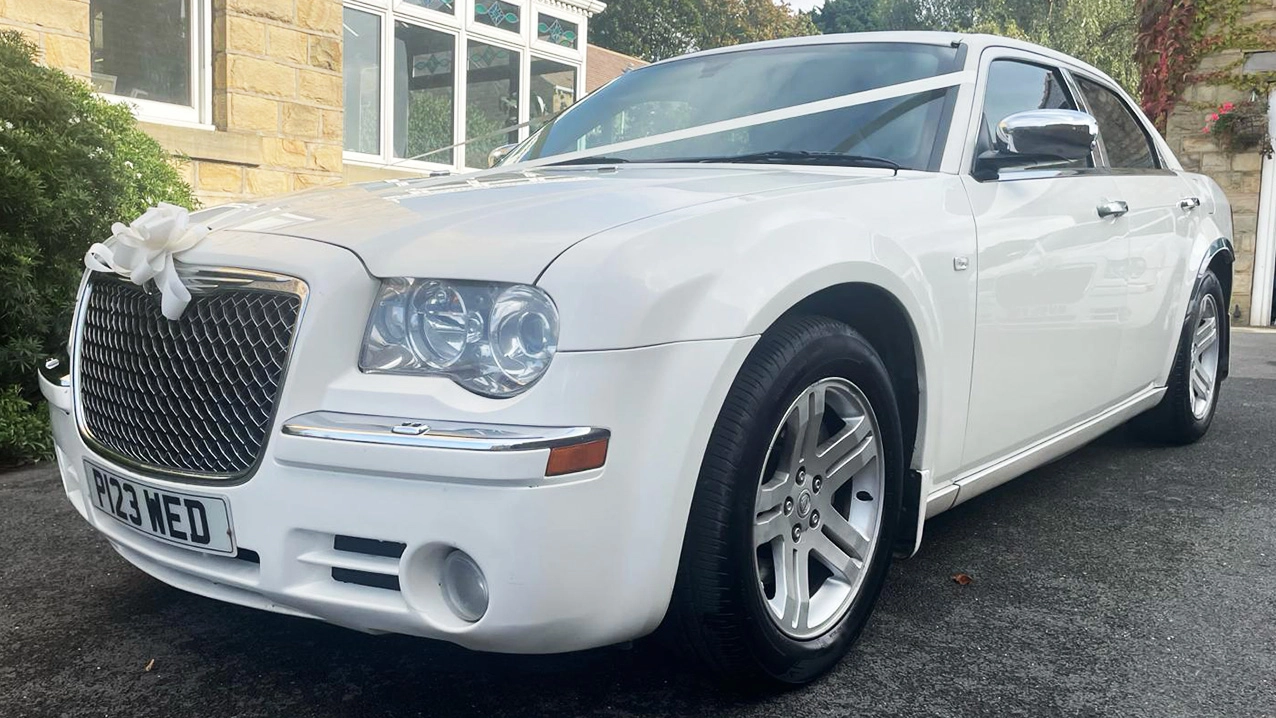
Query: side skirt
{"type": "Point", "coordinates": [999, 472]}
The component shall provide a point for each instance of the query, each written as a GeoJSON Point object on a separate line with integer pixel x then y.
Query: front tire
{"type": "Point", "coordinates": [1186, 411]}
{"type": "Point", "coordinates": [795, 511]}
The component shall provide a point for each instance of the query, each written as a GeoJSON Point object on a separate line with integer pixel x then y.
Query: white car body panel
{"type": "Point", "coordinates": [1034, 332]}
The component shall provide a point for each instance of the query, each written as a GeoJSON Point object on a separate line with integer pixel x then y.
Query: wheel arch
{"type": "Point", "coordinates": [882, 318]}
{"type": "Point", "coordinates": [1219, 258]}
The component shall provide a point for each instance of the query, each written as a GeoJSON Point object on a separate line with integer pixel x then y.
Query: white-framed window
{"type": "Point", "coordinates": [154, 55]}
{"type": "Point", "coordinates": [421, 75]}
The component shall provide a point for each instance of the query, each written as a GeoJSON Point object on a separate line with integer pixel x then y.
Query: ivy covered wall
{"type": "Point", "coordinates": [1193, 58]}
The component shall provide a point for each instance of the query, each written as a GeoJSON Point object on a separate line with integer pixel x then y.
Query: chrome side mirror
{"type": "Point", "coordinates": [495, 156]}
{"type": "Point", "coordinates": [1039, 137]}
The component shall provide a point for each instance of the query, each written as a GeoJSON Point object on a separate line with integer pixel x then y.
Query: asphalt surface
{"type": "Point", "coordinates": [1124, 580]}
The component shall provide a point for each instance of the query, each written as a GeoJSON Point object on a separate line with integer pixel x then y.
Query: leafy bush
{"type": "Point", "coordinates": [71, 163]}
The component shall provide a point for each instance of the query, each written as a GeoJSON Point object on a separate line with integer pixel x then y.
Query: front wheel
{"type": "Point", "coordinates": [789, 537]}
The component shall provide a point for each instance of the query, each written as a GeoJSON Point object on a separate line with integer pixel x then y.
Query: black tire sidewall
{"type": "Point", "coordinates": [832, 350]}
{"type": "Point", "coordinates": [1183, 396]}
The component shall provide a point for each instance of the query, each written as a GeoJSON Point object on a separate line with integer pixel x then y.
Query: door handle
{"type": "Point", "coordinates": [1113, 209]}
{"type": "Point", "coordinates": [1189, 203]}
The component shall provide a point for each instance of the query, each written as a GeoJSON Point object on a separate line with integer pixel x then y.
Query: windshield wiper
{"type": "Point", "coordinates": [595, 160]}
{"type": "Point", "coordinates": [802, 157]}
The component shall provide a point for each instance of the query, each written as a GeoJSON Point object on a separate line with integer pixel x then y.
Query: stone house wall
{"type": "Point", "coordinates": [1238, 174]}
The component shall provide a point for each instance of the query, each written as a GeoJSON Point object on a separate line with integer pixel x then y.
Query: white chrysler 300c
{"type": "Point", "coordinates": [700, 354]}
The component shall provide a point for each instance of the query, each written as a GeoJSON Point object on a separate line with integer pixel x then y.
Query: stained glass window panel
{"type": "Point", "coordinates": [556, 30]}
{"type": "Point", "coordinates": [497, 14]}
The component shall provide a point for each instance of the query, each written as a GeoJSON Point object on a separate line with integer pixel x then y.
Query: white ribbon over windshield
{"type": "Point", "coordinates": [144, 250]}
{"type": "Point", "coordinates": [889, 92]}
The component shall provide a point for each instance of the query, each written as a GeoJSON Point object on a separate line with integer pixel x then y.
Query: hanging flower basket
{"type": "Point", "coordinates": [1239, 127]}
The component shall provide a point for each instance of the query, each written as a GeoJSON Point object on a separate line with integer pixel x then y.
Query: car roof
{"type": "Point", "coordinates": [976, 42]}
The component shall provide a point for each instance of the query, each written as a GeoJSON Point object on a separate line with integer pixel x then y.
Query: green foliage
{"type": "Point", "coordinates": [656, 29]}
{"type": "Point", "coordinates": [70, 165]}
{"type": "Point", "coordinates": [1101, 32]}
{"type": "Point", "coordinates": [836, 16]}
{"type": "Point", "coordinates": [24, 429]}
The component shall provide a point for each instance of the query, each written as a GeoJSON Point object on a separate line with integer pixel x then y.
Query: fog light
{"type": "Point", "coordinates": [464, 586]}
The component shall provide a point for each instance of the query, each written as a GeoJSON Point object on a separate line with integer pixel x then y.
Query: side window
{"type": "Point", "coordinates": [1123, 137]}
{"type": "Point", "coordinates": [1015, 86]}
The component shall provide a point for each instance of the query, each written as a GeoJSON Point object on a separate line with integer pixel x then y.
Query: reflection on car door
{"type": "Point", "coordinates": [1159, 228]}
{"type": "Point", "coordinates": [1051, 290]}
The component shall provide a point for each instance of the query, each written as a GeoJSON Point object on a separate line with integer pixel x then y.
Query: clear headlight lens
{"type": "Point", "coordinates": [493, 339]}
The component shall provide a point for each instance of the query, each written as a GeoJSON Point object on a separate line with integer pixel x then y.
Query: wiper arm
{"type": "Point", "coordinates": [802, 157]}
{"type": "Point", "coordinates": [595, 160]}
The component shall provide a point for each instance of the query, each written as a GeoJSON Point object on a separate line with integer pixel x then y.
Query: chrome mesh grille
{"type": "Point", "coordinates": [193, 396]}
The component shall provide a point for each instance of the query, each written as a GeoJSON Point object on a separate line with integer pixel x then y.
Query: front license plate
{"type": "Point", "coordinates": [190, 520]}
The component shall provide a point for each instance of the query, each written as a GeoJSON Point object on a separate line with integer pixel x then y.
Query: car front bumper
{"type": "Point", "coordinates": [571, 562]}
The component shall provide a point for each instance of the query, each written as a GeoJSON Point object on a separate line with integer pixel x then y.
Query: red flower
{"type": "Point", "coordinates": [1227, 107]}
{"type": "Point", "coordinates": [1214, 117]}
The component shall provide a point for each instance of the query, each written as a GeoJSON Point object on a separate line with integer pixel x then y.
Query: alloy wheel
{"type": "Point", "coordinates": [1205, 351]}
{"type": "Point", "coordinates": [818, 511]}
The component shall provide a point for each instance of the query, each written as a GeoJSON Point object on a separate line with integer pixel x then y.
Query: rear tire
{"type": "Point", "coordinates": [1187, 409]}
{"type": "Point", "coordinates": [769, 590]}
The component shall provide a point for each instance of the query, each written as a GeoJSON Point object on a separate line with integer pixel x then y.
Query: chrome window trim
{"type": "Point", "coordinates": [198, 279]}
{"type": "Point", "coordinates": [432, 434]}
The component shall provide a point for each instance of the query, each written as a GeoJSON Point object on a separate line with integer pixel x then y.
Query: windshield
{"type": "Point", "coordinates": [907, 131]}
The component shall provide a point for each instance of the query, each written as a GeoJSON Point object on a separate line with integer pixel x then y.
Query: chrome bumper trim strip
{"type": "Point", "coordinates": [421, 433]}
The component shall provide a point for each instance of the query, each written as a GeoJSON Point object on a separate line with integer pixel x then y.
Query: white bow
{"type": "Point", "coordinates": [144, 250]}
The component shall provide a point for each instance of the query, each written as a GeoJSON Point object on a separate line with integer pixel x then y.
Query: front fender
{"type": "Point", "coordinates": [731, 268]}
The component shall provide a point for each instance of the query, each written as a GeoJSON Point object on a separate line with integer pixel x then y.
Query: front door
{"type": "Point", "coordinates": [1051, 291]}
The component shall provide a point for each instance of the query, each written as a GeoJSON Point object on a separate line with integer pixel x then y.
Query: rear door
{"type": "Point", "coordinates": [1051, 291]}
{"type": "Point", "coordinates": [1163, 210]}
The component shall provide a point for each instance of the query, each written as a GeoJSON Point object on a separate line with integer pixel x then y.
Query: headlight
{"type": "Point", "coordinates": [493, 339]}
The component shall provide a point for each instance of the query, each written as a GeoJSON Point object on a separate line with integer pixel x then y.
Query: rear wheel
{"type": "Point", "coordinates": [788, 541]}
{"type": "Point", "coordinates": [1186, 411]}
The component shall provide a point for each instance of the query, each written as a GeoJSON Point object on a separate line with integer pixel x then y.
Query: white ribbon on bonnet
{"type": "Point", "coordinates": [144, 250]}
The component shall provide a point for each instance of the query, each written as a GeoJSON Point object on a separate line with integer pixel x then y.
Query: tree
{"type": "Point", "coordinates": [650, 29]}
{"type": "Point", "coordinates": [848, 16]}
{"type": "Point", "coordinates": [656, 29]}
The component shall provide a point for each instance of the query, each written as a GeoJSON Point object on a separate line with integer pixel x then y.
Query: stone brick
{"type": "Point", "coordinates": [280, 10]}
{"type": "Point", "coordinates": [1199, 143]}
{"type": "Point", "coordinates": [304, 181]}
{"type": "Point", "coordinates": [245, 35]}
{"type": "Point", "coordinates": [321, 87]}
{"type": "Point", "coordinates": [325, 52]}
{"type": "Point", "coordinates": [333, 125]}
{"type": "Point", "coordinates": [61, 15]}
{"type": "Point", "coordinates": [256, 114]}
{"type": "Point", "coordinates": [326, 157]}
{"type": "Point", "coordinates": [301, 121]}
{"type": "Point", "coordinates": [278, 152]}
{"type": "Point", "coordinates": [67, 53]}
{"type": "Point", "coordinates": [263, 183]}
{"type": "Point", "coordinates": [1248, 162]}
{"type": "Point", "coordinates": [286, 44]}
{"type": "Point", "coordinates": [218, 177]}
{"type": "Point", "coordinates": [321, 15]}
{"type": "Point", "coordinates": [262, 77]}
{"type": "Point", "coordinates": [1214, 162]}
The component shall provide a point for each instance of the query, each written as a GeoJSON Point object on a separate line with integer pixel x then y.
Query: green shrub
{"type": "Point", "coordinates": [71, 163]}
